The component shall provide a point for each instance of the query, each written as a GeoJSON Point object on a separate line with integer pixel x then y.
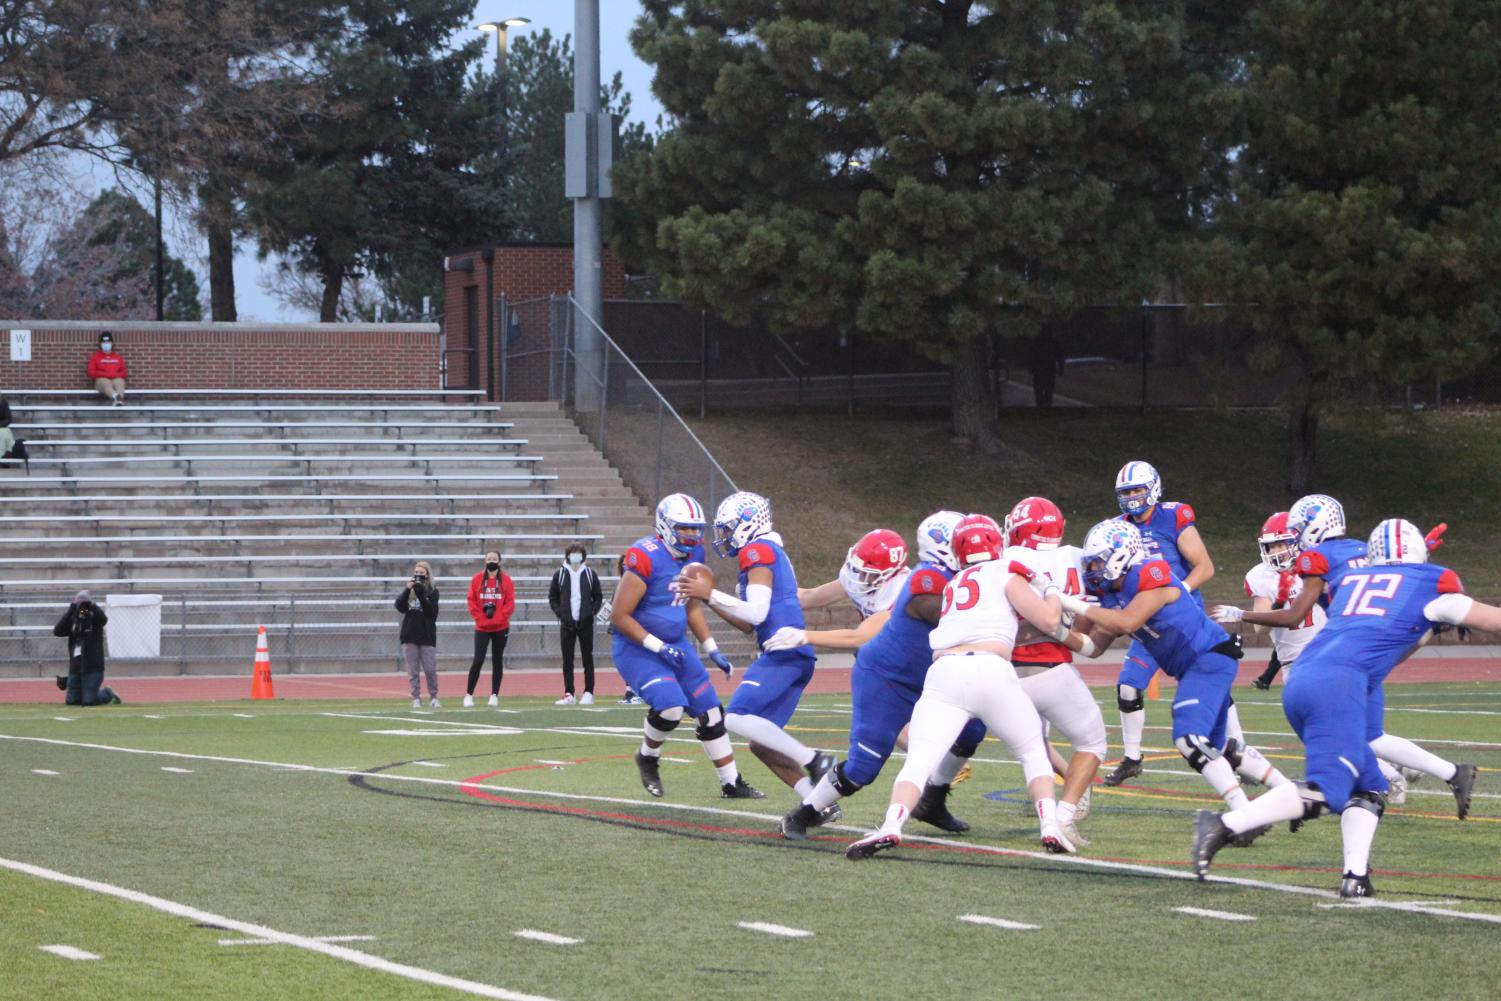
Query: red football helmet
{"type": "Point", "coordinates": [1036, 523]}
{"type": "Point", "coordinates": [977, 538]}
{"type": "Point", "coordinates": [1279, 544]}
{"type": "Point", "coordinates": [878, 556]}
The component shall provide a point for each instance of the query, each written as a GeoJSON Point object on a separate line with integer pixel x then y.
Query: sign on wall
{"type": "Point", "coordinates": [20, 345]}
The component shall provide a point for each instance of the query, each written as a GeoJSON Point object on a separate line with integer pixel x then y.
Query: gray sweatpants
{"type": "Point", "coordinates": [421, 660]}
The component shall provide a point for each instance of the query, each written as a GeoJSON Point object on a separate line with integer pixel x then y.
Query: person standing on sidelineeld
{"type": "Point", "coordinates": [575, 597]}
{"type": "Point", "coordinates": [492, 599]}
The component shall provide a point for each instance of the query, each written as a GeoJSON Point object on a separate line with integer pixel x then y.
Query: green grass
{"type": "Point", "coordinates": [442, 878]}
{"type": "Point", "coordinates": [831, 479]}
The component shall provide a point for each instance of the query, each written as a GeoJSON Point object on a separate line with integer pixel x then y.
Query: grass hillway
{"type": "Point", "coordinates": [831, 478]}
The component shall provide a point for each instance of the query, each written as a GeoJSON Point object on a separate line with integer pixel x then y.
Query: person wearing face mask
{"type": "Point", "coordinates": [418, 605]}
{"type": "Point", "coordinates": [492, 599]}
{"type": "Point", "coordinates": [108, 370]}
{"type": "Point", "coordinates": [575, 596]}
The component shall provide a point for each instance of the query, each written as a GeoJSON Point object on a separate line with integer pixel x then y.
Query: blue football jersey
{"type": "Point", "coordinates": [900, 650]}
{"type": "Point", "coordinates": [657, 611]}
{"type": "Point", "coordinates": [785, 609]}
{"type": "Point", "coordinates": [1159, 536]}
{"type": "Point", "coordinates": [1330, 560]}
{"type": "Point", "coordinates": [1179, 633]}
{"type": "Point", "coordinates": [1376, 616]}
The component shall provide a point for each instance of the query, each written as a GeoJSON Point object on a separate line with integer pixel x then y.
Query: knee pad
{"type": "Point", "coordinates": [711, 724]}
{"type": "Point", "coordinates": [667, 720]}
{"type": "Point", "coordinates": [1197, 750]}
{"type": "Point", "coordinates": [1129, 699]}
{"type": "Point", "coordinates": [1234, 752]}
{"type": "Point", "coordinates": [1372, 801]}
{"type": "Point", "coordinates": [843, 784]}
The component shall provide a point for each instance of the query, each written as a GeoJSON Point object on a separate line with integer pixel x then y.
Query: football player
{"type": "Point", "coordinates": [648, 622]}
{"type": "Point", "coordinates": [1142, 597]}
{"type": "Point", "coordinates": [766, 601]}
{"type": "Point", "coordinates": [1325, 556]}
{"type": "Point", "coordinates": [1034, 538]}
{"type": "Point", "coordinates": [971, 677]}
{"type": "Point", "coordinates": [1168, 533]}
{"type": "Point", "coordinates": [888, 675]}
{"type": "Point", "coordinates": [872, 576]}
{"type": "Point", "coordinates": [1378, 613]}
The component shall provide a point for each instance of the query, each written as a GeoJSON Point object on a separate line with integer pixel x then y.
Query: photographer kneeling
{"type": "Point", "coordinates": [83, 625]}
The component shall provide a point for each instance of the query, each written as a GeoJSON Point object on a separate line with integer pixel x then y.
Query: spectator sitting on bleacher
{"type": "Point", "coordinates": [7, 437]}
{"type": "Point", "coordinates": [108, 370]}
{"type": "Point", "coordinates": [83, 625]}
{"type": "Point", "coordinates": [418, 605]}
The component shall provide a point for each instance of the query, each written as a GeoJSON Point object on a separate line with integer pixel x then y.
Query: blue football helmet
{"type": "Point", "coordinates": [1134, 477]}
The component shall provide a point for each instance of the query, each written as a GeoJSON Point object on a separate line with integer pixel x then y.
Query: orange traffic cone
{"type": "Point", "coordinates": [1153, 690]}
{"type": "Point", "coordinates": [260, 682]}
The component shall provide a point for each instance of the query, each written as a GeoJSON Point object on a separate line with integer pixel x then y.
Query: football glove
{"type": "Point", "coordinates": [1228, 613]}
{"type": "Point", "coordinates": [786, 638]}
{"type": "Point", "coordinates": [1435, 536]}
{"type": "Point", "coordinates": [723, 663]}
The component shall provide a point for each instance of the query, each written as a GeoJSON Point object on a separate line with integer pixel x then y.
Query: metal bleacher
{"type": "Point", "coordinates": [302, 512]}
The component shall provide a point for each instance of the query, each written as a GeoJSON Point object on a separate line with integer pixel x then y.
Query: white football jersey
{"type": "Point", "coordinates": [1264, 582]}
{"type": "Point", "coordinates": [975, 608]}
{"type": "Point", "coordinates": [882, 600]}
{"type": "Point", "coordinates": [1063, 566]}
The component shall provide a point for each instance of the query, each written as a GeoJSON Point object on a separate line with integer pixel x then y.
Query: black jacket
{"type": "Point", "coordinates": [560, 596]}
{"type": "Point", "coordinates": [419, 622]}
{"type": "Point", "coordinates": [86, 632]}
{"type": "Point", "coordinates": [4, 413]}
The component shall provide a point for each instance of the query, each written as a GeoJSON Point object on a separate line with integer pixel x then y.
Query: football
{"type": "Point", "coordinates": [699, 571]}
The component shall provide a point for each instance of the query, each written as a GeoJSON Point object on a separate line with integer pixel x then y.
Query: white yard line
{"type": "Point", "coordinates": [65, 719]}
{"type": "Point", "coordinates": [44, 771]}
{"type": "Point", "coordinates": [430, 764]}
{"type": "Point", "coordinates": [329, 949]}
{"type": "Point", "coordinates": [67, 951]}
{"type": "Point", "coordinates": [983, 919]}
{"type": "Point", "coordinates": [1084, 861]}
{"type": "Point", "coordinates": [1200, 912]}
{"type": "Point", "coordinates": [177, 771]}
{"type": "Point", "coordinates": [771, 929]}
{"type": "Point", "coordinates": [547, 936]}
{"type": "Point", "coordinates": [318, 938]}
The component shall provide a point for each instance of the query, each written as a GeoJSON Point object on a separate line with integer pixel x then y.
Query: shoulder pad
{"type": "Point", "coordinates": [1185, 516]}
{"type": "Point", "coordinates": [925, 580]}
{"type": "Point", "coordinates": [1153, 574]}
{"type": "Point", "coordinates": [1312, 564]}
{"type": "Point", "coordinates": [1449, 583]}
{"type": "Point", "coordinates": [638, 561]}
{"type": "Point", "coordinates": [757, 554]}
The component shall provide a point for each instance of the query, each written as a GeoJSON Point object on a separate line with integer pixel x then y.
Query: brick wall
{"type": "Point", "coordinates": [229, 355]}
{"type": "Point", "coordinates": [519, 271]}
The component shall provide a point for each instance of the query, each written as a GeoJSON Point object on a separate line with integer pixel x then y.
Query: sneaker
{"type": "Point", "coordinates": [494, 701]}
{"type": "Point", "coordinates": [587, 699]}
{"type": "Point", "coordinates": [876, 841]}
{"type": "Point", "coordinates": [435, 704]}
{"type": "Point", "coordinates": [1461, 785]}
{"type": "Point", "coordinates": [651, 773]}
{"type": "Point", "coordinates": [1129, 768]}
{"type": "Point", "coordinates": [1352, 886]}
{"type": "Point", "coordinates": [117, 402]}
{"type": "Point", "coordinates": [1210, 835]}
{"type": "Point", "coordinates": [566, 700]}
{"type": "Point", "coordinates": [1396, 794]}
{"type": "Point", "coordinates": [416, 703]}
{"type": "Point", "coordinates": [933, 809]}
{"type": "Point", "coordinates": [1081, 811]}
{"type": "Point", "coordinates": [740, 789]}
{"type": "Point", "coordinates": [1054, 841]}
{"type": "Point", "coordinates": [820, 766]}
{"type": "Point", "coordinates": [794, 826]}
{"type": "Point", "coordinates": [62, 682]}
{"type": "Point", "coordinates": [630, 698]}
{"type": "Point", "coordinates": [469, 702]}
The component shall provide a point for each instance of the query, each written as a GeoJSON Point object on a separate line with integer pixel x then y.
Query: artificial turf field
{"type": "Point", "coordinates": [434, 837]}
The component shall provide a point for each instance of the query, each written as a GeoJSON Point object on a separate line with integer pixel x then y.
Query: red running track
{"type": "Point", "coordinates": [827, 680]}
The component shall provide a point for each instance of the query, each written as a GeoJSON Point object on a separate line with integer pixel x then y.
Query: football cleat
{"type": "Point", "coordinates": [830, 814]}
{"type": "Point", "coordinates": [933, 809]}
{"type": "Point", "coordinates": [740, 789]}
{"type": "Point", "coordinates": [1352, 886]}
{"type": "Point", "coordinates": [1081, 812]}
{"type": "Point", "coordinates": [1071, 831]}
{"type": "Point", "coordinates": [651, 773]}
{"type": "Point", "coordinates": [1054, 841]}
{"type": "Point", "coordinates": [1261, 684]}
{"type": "Point", "coordinates": [1462, 784]}
{"type": "Point", "coordinates": [1129, 768]}
{"type": "Point", "coordinates": [822, 762]}
{"type": "Point", "coordinates": [1210, 835]}
{"type": "Point", "coordinates": [876, 841]}
{"type": "Point", "coordinates": [794, 826]}
{"type": "Point", "coordinates": [963, 774]}
{"type": "Point", "coordinates": [1396, 793]}
{"type": "Point", "coordinates": [1245, 838]}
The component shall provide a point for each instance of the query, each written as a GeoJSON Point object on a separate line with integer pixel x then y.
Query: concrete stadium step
{"type": "Point", "coordinates": [76, 449]}
{"type": "Point", "coordinates": [210, 430]}
{"type": "Point", "coordinates": [314, 541]}
{"type": "Point", "coordinates": [217, 505]}
{"type": "Point", "coordinates": [533, 565]}
{"type": "Point", "coordinates": [97, 526]}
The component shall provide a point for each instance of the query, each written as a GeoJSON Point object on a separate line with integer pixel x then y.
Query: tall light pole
{"type": "Point", "coordinates": [501, 81]}
{"type": "Point", "coordinates": [586, 180]}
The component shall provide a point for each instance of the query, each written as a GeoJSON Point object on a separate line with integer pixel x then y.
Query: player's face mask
{"type": "Point", "coordinates": [688, 536]}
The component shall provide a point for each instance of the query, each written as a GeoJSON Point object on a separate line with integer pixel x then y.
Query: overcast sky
{"type": "Point", "coordinates": [616, 18]}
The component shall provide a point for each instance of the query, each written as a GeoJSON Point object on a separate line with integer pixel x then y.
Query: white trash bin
{"type": "Point", "coordinates": [135, 626]}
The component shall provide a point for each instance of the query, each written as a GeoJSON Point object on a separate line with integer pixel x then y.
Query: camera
{"type": "Point", "coordinates": [489, 608]}
{"type": "Point", "coordinates": [86, 610]}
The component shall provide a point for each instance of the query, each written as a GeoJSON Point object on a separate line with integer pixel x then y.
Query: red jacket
{"type": "Point", "coordinates": [108, 366]}
{"type": "Point", "coordinates": [501, 591]}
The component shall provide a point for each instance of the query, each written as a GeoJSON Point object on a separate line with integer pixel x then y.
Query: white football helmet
{"type": "Point", "coordinates": [935, 539]}
{"type": "Point", "coordinates": [1315, 518]}
{"type": "Point", "coordinates": [1117, 545]}
{"type": "Point", "coordinates": [1397, 541]}
{"type": "Point", "coordinates": [680, 524]}
{"type": "Point", "coordinates": [741, 519]}
{"type": "Point", "coordinates": [1137, 475]}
